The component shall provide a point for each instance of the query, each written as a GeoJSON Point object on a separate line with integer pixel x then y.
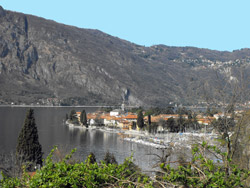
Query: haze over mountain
{"type": "Point", "coordinates": [41, 59]}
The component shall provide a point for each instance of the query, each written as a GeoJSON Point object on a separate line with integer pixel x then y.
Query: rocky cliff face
{"type": "Point", "coordinates": [42, 59]}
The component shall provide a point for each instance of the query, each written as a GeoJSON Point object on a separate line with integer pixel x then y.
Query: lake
{"type": "Point", "coordinates": [52, 131]}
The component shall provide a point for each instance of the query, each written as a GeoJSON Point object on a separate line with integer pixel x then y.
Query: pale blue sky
{"type": "Point", "coordinates": [213, 24]}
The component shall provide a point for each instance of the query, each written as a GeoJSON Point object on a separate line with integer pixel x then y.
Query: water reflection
{"type": "Point", "coordinates": [53, 132]}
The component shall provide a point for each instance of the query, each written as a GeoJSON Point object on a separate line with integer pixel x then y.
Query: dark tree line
{"type": "Point", "coordinates": [156, 111]}
{"type": "Point", "coordinates": [73, 118]}
{"type": "Point", "coordinates": [175, 125]}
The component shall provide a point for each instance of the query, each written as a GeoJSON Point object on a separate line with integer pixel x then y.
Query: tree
{"type": "Point", "coordinates": [202, 171]}
{"type": "Point", "coordinates": [91, 159]}
{"type": "Point", "coordinates": [181, 121]}
{"type": "Point", "coordinates": [149, 120]}
{"type": "Point", "coordinates": [72, 115]}
{"type": "Point", "coordinates": [171, 125]}
{"type": "Point", "coordinates": [83, 117]}
{"type": "Point", "coordinates": [231, 131]}
{"type": "Point", "coordinates": [208, 112]}
{"type": "Point", "coordinates": [140, 122]}
{"type": "Point", "coordinates": [29, 150]}
{"type": "Point", "coordinates": [109, 158]}
{"type": "Point", "coordinates": [156, 111]}
{"type": "Point", "coordinates": [152, 128]}
{"type": "Point", "coordinates": [8, 165]}
{"type": "Point", "coordinates": [240, 140]}
{"type": "Point", "coordinates": [107, 109]}
{"type": "Point", "coordinates": [134, 125]}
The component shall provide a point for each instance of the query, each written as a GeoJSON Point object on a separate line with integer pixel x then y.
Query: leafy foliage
{"type": "Point", "coordinates": [202, 171]}
{"type": "Point", "coordinates": [64, 174]}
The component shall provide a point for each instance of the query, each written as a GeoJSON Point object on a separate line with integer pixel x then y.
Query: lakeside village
{"type": "Point", "coordinates": [154, 127]}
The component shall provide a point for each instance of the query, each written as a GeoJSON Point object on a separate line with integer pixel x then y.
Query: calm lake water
{"type": "Point", "coordinates": [52, 131]}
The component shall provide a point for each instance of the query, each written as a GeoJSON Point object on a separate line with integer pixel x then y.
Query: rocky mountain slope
{"type": "Point", "coordinates": [41, 59]}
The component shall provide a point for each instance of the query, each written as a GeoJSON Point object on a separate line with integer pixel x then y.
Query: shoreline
{"type": "Point", "coordinates": [159, 140]}
{"type": "Point", "coordinates": [48, 106]}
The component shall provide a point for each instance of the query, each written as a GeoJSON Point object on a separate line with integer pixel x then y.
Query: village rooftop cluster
{"type": "Point", "coordinates": [118, 118]}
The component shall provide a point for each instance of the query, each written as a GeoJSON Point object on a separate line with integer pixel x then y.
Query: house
{"type": "Point", "coordinates": [96, 122]}
{"type": "Point", "coordinates": [115, 112]}
{"type": "Point", "coordinates": [95, 119]}
{"type": "Point", "coordinates": [217, 116]}
{"type": "Point", "coordinates": [175, 116]}
{"type": "Point", "coordinates": [125, 125]}
{"type": "Point", "coordinates": [131, 117]}
{"type": "Point", "coordinates": [205, 121]}
{"type": "Point", "coordinates": [160, 128]}
{"type": "Point", "coordinates": [111, 120]}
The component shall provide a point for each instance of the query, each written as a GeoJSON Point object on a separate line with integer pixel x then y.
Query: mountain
{"type": "Point", "coordinates": [44, 61]}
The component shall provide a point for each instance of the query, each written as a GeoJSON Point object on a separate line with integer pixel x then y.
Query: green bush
{"type": "Point", "coordinates": [201, 171]}
{"type": "Point", "coordinates": [84, 174]}
{"type": "Point", "coordinates": [204, 172]}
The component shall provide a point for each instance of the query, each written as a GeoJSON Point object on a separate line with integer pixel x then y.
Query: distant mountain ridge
{"type": "Point", "coordinates": [41, 59]}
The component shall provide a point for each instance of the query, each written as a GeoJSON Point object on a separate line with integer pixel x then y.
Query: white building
{"type": "Point", "coordinates": [115, 112]}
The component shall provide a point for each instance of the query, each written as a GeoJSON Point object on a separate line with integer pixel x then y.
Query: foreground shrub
{"type": "Point", "coordinates": [202, 171]}
{"type": "Point", "coordinates": [84, 174]}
